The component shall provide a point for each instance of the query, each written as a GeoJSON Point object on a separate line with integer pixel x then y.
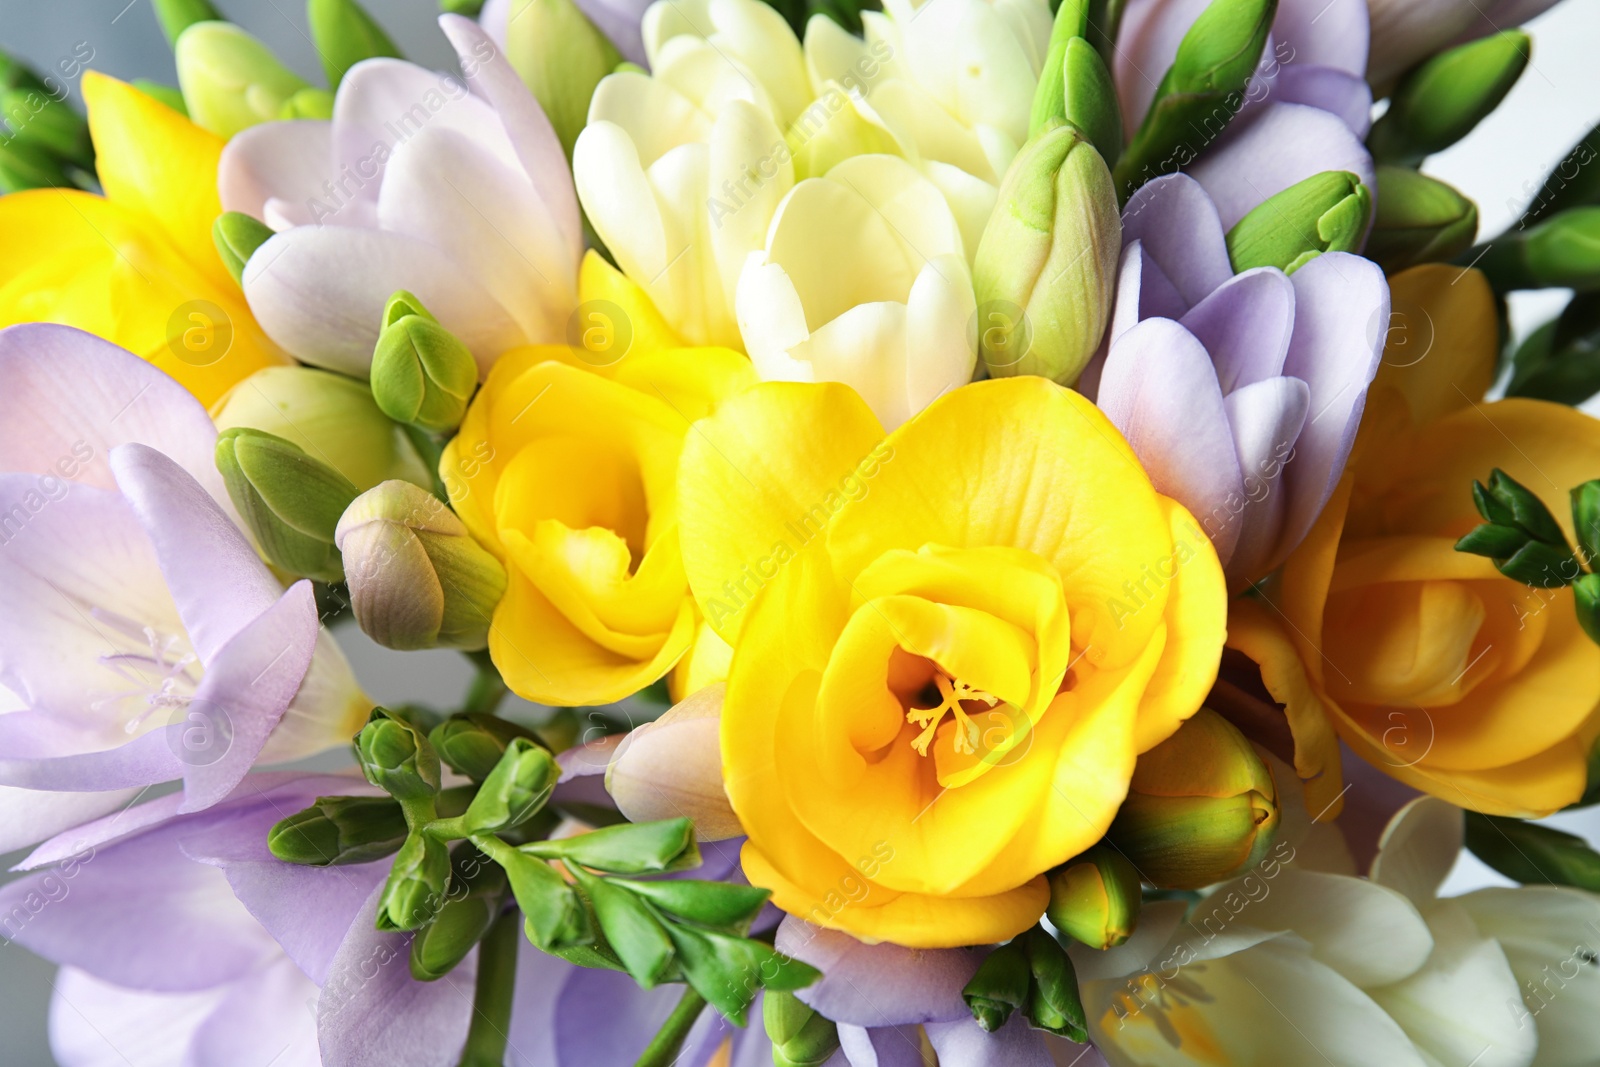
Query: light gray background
{"type": "Point", "coordinates": [1500, 166]}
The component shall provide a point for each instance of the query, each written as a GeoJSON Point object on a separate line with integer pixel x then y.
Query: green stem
{"type": "Point", "coordinates": [488, 688]}
{"type": "Point", "coordinates": [491, 1002]}
{"type": "Point", "coordinates": [669, 1039]}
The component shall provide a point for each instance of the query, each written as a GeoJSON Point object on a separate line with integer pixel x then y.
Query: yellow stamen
{"type": "Point", "coordinates": [951, 694]}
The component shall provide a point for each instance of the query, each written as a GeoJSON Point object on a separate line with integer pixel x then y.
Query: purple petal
{"type": "Point", "coordinates": [1245, 324]}
{"type": "Point", "coordinates": [1160, 389]}
{"type": "Point", "coordinates": [1015, 1044]}
{"type": "Point", "coordinates": [1341, 320]}
{"type": "Point", "coordinates": [284, 161]}
{"type": "Point", "coordinates": [97, 1024]}
{"type": "Point", "coordinates": [532, 135]}
{"type": "Point", "coordinates": [620, 21]}
{"type": "Point", "coordinates": [493, 19]}
{"type": "Point", "coordinates": [28, 816]}
{"type": "Point", "coordinates": [372, 1013]}
{"type": "Point", "coordinates": [319, 292]}
{"type": "Point", "coordinates": [268, 1017]}
{"type": "Point", "coordinates": [878, 985]}
{"type": "Point", "coordinates": [101, 832]}
{"type": "Point", "coordinates": [149, 758]}
{"type": "Point", "coordinates": [1271, 148]}
{"type": "Point", "coordinates": [307, 910]}
{"type": "Point", "coordinates": [67, 398]}
{"type": "Point", "coordinates": [604, 1017]}
{"type": "Point", "coordinates": [139, 914]}
{"type": "Point", "coordinates": [1266, 418]}
{"type": "Point", "coordinates": [216, 579]}
{"type": "Point", "coordinates": [1345, 95]}
{"type": "Point", "coordinates": [1322, 33]}
{"type": "Point", "coordinates": [583, 773]}
{"type": "Point", "coordinates": [1179, 227]}
{"type": "Point", "coordinates": [884, 1046]}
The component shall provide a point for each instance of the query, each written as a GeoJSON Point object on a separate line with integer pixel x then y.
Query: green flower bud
{"type": "Point", "coordinates": [1419, 220]}
{"type": "Point", "coordinates": [48, 123]}
{"type": "Point", "coordinates": [1201, 91]}
{"type": "Point", "coordinates": [176, 16]}
{"type": "Point", "coordinates": [553, 914]}
{"type": "Point", "coordinates": [421, 373]}
{"type": "Point", "coordinates": [237, 236]}
{"type": "Point", "coordinates": [396, 757]}
{"type": "Point", "coordinates": [1520, 535]}
{"type": "Point", "coordinates": [632, 930]}
{"type": "Point", "coordinates": [164, 94]}
{"type": "Point", "coordinates": [1001, 986]}
{"type": "Point", "coordinates": [472, 744]}
{"type": "Point", "coordinates": [417, 578]}
{"type": "Point", "coordinates": [1440, 102]}
{"type": "Point", "coordinates": [800, 1036]}
{"type": "Point", "coordinates": [15, 74]}
{"type": "Point", "coordinates": [1053, 1003]}
{"type": "Point", "coordinates": [1586, 519]}
{"type": "Point", "coordinates": [1047, 260]}
{"type": "Point", "coordinates": [729, 971]}
{"type": "Point", "coordinates": [477, 894]}
{"type": "Point", "coordinates": [25, 166]}
{"type": "Point", "coordinates": [627, 848]}
{"type": "Point", "coordinates": [1563, 251]}
{"type": "Point", "coordinates": [339, 830]}
{"type": "Point", "coordinates": [1532, 854]}
{"type": "Point", "coordinates": [331, 417]}
{"type": "Point", "coordinates": [1586, 595]}
{"type": "Point", "coordinates": [308, 104]}
{"type": "Point", "coordinates": [469, 8]}
{"type": "Point", "coordinates": [1095, 898]}
{"type": "Point", "coordinates": [1560, 361]}
{"type": "Point", "coordinates": [719, 906]}
{"type": "Point", "coordinates": [1574, 182]}
{"type": "Point", "coordinates": [230, 80]}
{"type": "Point", "coordinates": [344, 34]}
{"type": "Point", "coordinates": [417, 884]}
{"type": "Point", "coordinates": [561, 57]}
{"type": "Point", "coordinates": [1326, 212]}
{"type": "Point", "coordinates": [1201, 807]}
{"type": "Point", "coordinates": [514, 791]}
{"type": "Point", "coordinates": [290, 501]}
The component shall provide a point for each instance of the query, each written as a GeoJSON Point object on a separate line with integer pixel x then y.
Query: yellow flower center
{"type": "Point", "coordinates": [951, 693]}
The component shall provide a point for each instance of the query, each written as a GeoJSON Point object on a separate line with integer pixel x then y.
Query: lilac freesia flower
{"type": "Point", "coordinates": [619, 20]}
{"type": "Point", "coordinates": [1240, 393]}
{"type": "Point", "coordinates": [463, 198]}
{"type": "Point", "coordinates": [1305, 111]}
{"type": "Point", "coordinates": [139, 632]}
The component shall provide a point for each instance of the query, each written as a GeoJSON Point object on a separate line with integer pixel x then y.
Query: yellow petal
{"type": "Point", "coordinates": [1443, 341]}
{"type": "Point", "coordinates": [761, 479]}
{"type": "Point", "coordinates": [602, 287]}
{"type": "Point", "coordinates": [157, 164]}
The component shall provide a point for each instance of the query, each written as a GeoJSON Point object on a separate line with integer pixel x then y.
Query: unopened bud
{"type": "Point", "coordinates": [800, 1036]}
{"type": "Point", "coordinates": [1326, 212]}
{"type": "Point", "coordinates": [1095, 898]}
{"type": "Point", "coordinates": [396, 757]}
{"type": "Point", "coordinates": [1586, 595]}
{"type": "Point", "coordinates": [673, 766]}
{"type": "Point", "coordinates": [472, 744]}
{"type": "Point", "coordinates": [417, 884]}
{"type": "Point", "coordinates": [339, 830]}
{"type": "Point", "coordinates": [514, 791]}
{"type": "Point", "coordinates": [1586, 519]}
{"type": "Point", "coordinates": [561, 57]}
{"type": "Point", "coordinates": [1050, 250]}
{"type": "Point", "coordinates": [1053, 1003]}
{"type": "Point", "coordinates": [1520, 535]}
{"type": "Point", "coordinates": [35, 117]}
{"type": "Point", "coordinates": [1001, 985]}
{"type": "Point", "coordinates": [1560, 360]}
{"type": "Point", "coordinates": [1440, 102]}
{"type": "Point", "coordinates": [290, 501]}
{"type": "Point", "coordinates": [343, 35]}
{"type": "Point", "coordinates": [176, 16]}
{"type": "Point", "coordinates": [1201, 807]}
{"type": "Point", "coordinates": [310, 103]}
{"type": "Point", "coordinates": [1562, 251]}
{"type": "Point", "coordinates": [627, 848]}
{"type": "Point", "coordinates": [553, 914]}
{"type": "Point", "coordinates": [237, 236]}
{"type": "Point", "coordinates": [230, 80]}
{"type": "Point", "coordinates": [421, 373]}
{"type": "Point", "coordinates": [477, 893]}
{"type": "Point", "coordinates": [417, 578]}
{"type": "Point", "coordinates": [1420, 219]}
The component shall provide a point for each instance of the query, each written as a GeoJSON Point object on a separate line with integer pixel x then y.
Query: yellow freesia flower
{"type": "Point", "coordinates": [136, 266]}
{"type": "Point", "coordinates": [1426, 661]}
{"type": "Point", "coordinates": [950, 644]}
{"type": "Point", "coordinates": [566, 468]}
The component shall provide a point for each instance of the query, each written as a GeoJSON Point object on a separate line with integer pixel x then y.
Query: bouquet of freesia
{"type": "Point", "coordinates": [1019, 529]}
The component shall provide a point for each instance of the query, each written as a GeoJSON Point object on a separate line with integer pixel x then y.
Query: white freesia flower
{"type": "Point", "coordinates": [680, 170]}
{"type": "Point", "coordinates": [1291, 966]}
{"type": "Point", "coordinates": [863, 280]}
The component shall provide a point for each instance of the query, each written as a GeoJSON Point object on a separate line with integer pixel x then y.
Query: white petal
{"type": "Point", "coordinates": [1418, 848]}
{"type": "Point", "coordinates": [287, 161]}
{"type": "Point", "coordinates": [941, 349]}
